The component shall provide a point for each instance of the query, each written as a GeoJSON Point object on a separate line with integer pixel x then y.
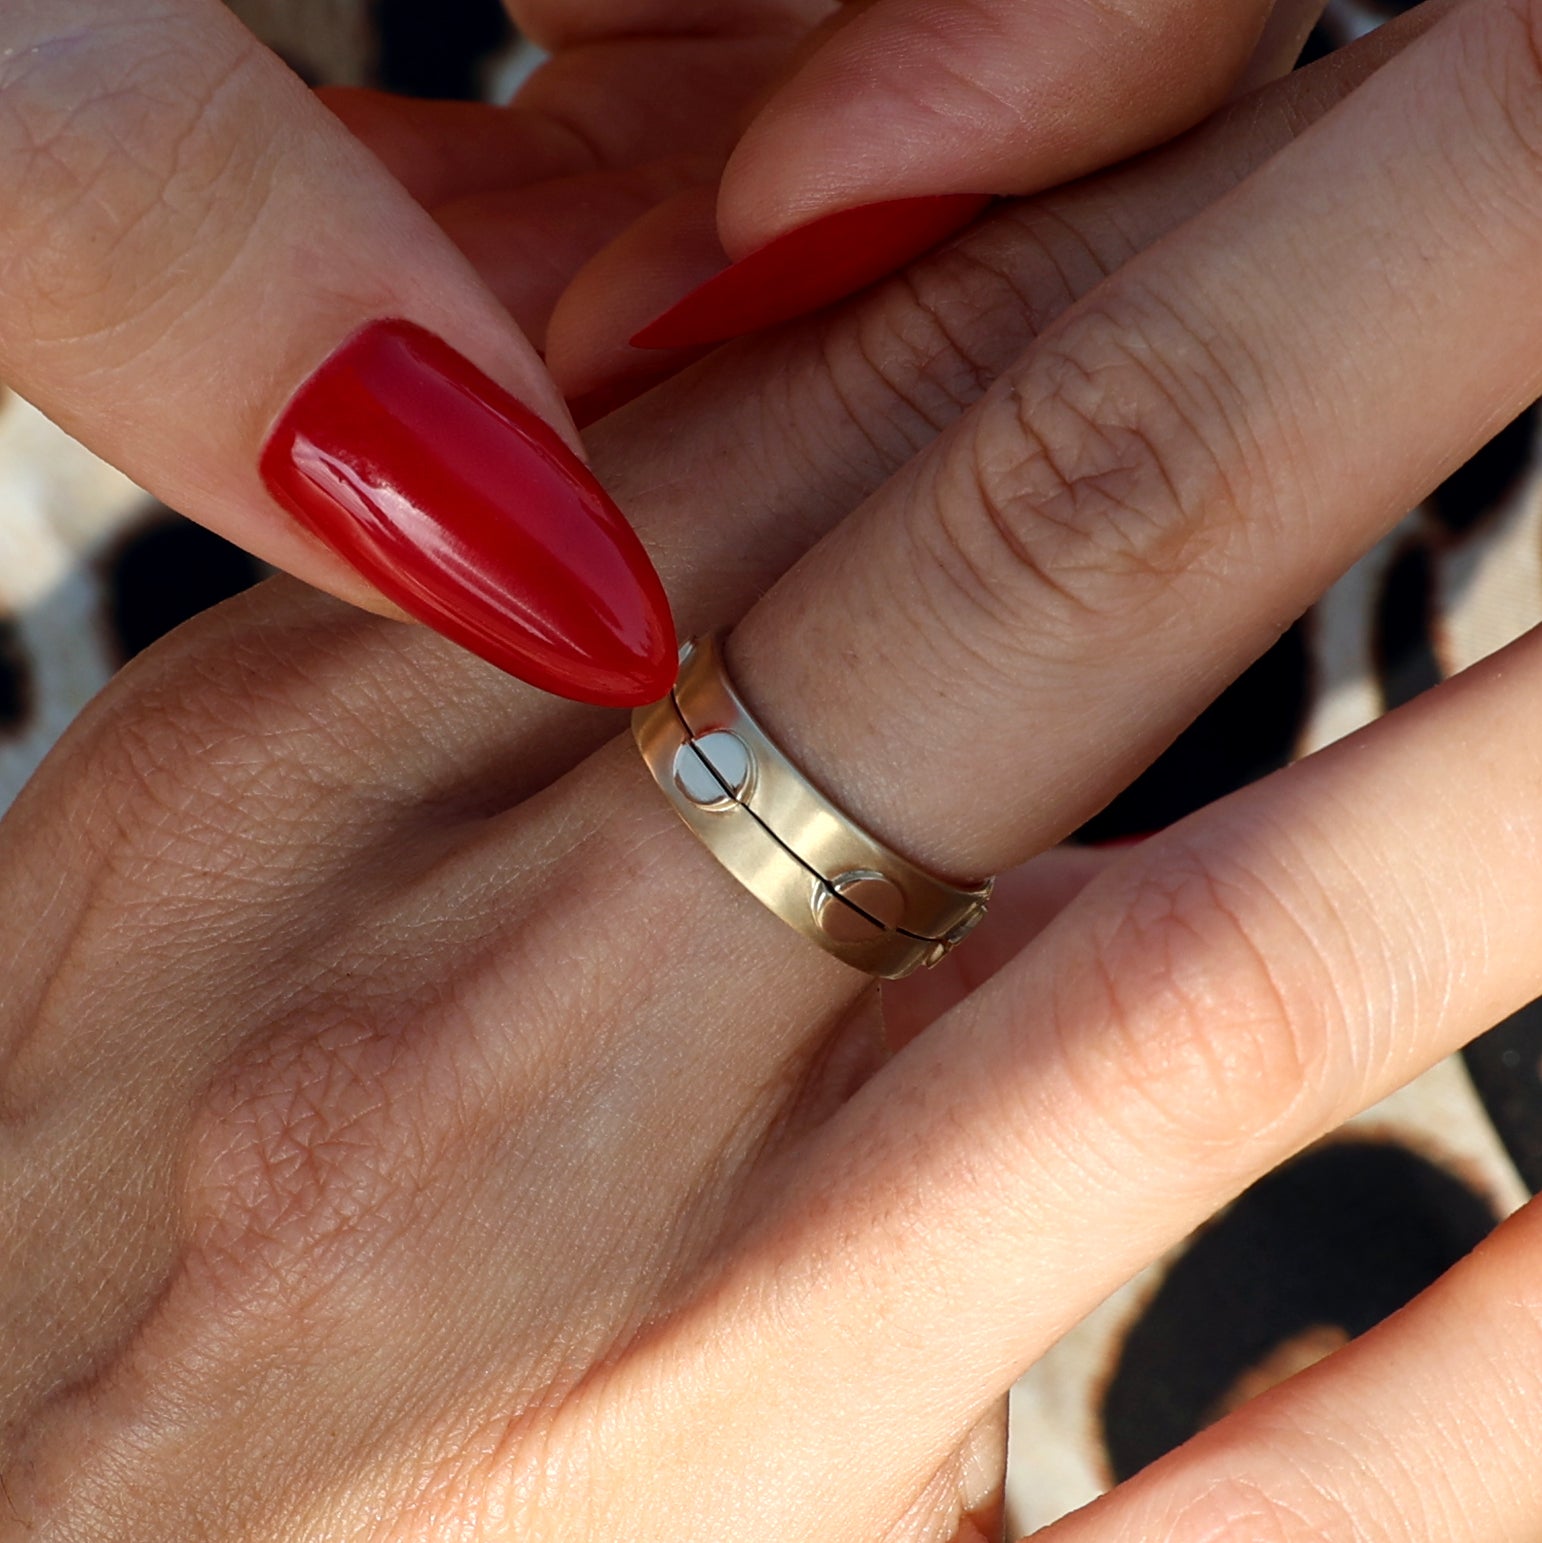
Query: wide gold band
{"type": "Point", "coordinates": [784, 840]}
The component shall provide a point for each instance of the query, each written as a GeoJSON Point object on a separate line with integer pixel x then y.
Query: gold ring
{"type": "Point", "coordinates": [784, 840]}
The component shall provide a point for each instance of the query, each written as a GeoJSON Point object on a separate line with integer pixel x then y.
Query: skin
{"type": "Point", "coordinates": [416, 1135]}
{"type": "Point", "coordinates": [885, 99]}
{"type": "Point", "coordinates": [164, 178]}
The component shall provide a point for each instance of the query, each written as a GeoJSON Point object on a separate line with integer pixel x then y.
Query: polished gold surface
{"type": "Point", "coordinates": [784, 840]}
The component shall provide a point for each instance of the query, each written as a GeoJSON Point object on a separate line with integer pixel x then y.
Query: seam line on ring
{"type": "Point", "coordinates": [821, 879]}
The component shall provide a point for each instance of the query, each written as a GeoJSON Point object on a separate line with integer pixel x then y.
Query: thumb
{"type": "Point", "coordinates": [920, 97]}
{"type": "Point", "coordinates": [905, 115]}
{"type": "Point", "coordinates": [206, 279]}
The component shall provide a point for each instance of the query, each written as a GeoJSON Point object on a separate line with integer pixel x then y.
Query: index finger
{"type": "Point", "coordinates": [193, 248]}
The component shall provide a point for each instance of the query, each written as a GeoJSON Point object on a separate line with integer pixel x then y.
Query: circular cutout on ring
{"type": "Point", "coordinates": [878, 900]}
{"type": "Point", "coordinates": [721, 752]}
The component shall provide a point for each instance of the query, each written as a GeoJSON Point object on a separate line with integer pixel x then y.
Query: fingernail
{"type": "Point", "coordinates": [810, 267]}
{"type": "Point", "coordinates": [470, 512]}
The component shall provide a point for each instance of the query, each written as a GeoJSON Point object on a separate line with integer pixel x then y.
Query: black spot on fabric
{"type": "Point", "coordinates": [1337, 1239]}
{"type": "Point", "coordinates": [1319, 45]}
{"type": "Point", "coordinates": [15, 680]}
{"type": "Point", "coordinates": [1483, 483]}
{"type": "Point", "coordinates": [1404, 650]}
{"type": "Point", "coordinates": [1506, 1070]}
{"type": "Point", "coordinates": [1247, 732]}
{"type": "Point", "coordinates": [302, 67]}
{"type": "Point", "coordinates": [166, 572]}
{"type": "Point", "coordinates": [438, 50]}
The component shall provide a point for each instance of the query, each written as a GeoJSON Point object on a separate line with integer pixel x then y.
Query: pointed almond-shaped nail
{"type": "Point", "coordinates": [468, 510]}
{"type": "Point", "coordinates": [810, 267]}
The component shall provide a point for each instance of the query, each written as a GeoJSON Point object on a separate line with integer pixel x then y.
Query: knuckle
{"type": "Point", "coordinates": [119, 144]}
{"type": "Point", "coordinates": [906, 368]}
{"type": "Point", "coordinates": [1087, 485]}
{"type": "Point", "coordinates": [1235, 1508]}
{"type": "Point", "coordinates": [310, 1149]}
{"type": "Point", "coordinates": [909, 365]}
{"type": "Point", "coordinates": [210, 748]}
{"type": "Point", "coordinates": [1202, 1042]}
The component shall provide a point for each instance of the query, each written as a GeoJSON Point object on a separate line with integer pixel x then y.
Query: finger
{"type": "Point", "coordinates": [910, 98]}
{"type": "Point", "coordinates": [933, 132]}
{"type": "Point", "coordinates": [192, 242]}
{"type": "Point", "coordinates": [1230, 992]}
{"type": "Point", "coordinates": [1421, 1431]}
{"type": "Point", "coordinates": [1284, 37]}
{"type": "Point", "coordinates": [527, 242]}
{"type": "Point", "coordinates": [1081, 1111]}
{"type": "Point", "coordinates": [734, 470]}
{"type": "Point", "coordinates": [1025, 901]}
{"type": "Point", "coordinates": [610, 104]}
{"type": "Point", "coordinates": [873, 147]}
{"type": "Point", "coordinates": [440, 151]}
{"type": "Point", "coordinates": [923, 347]}
{"type": "Point", "coordinates": [1237, 987]}
{"type": "Point", "coordinates": [596, 139]}
{"type": "Point", "coordinates": [670, 249]}
{"type": "Point", "coordinates": [601, 107]}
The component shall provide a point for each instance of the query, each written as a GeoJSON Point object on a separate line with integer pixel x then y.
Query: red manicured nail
{"type": "Point", "coordinates": [460, 504]}
{"type": "Point", "coordinates": [810, 267]}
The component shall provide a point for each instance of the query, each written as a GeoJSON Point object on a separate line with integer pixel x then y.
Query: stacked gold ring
{"type": "Point", "coordinates": [784, 840]}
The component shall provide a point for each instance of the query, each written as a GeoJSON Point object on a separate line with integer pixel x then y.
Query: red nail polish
{"type": "Point", "coordinates": [810, 267]}
{"type": "Point", "coordinates": [457, 502]}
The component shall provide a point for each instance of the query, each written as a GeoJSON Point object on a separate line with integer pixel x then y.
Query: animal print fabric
{"type": "Point", "coordinates": [91, 571]}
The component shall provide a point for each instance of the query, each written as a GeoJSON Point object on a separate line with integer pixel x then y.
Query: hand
{"type": "Point", "coordinates": [891, 112]}
{"type": "Point", "coordinates": [851, 146]}
{"type": "Point", "coordinates": [383, 1174]}
{"type": "Point", "coordinates": [166, 182]}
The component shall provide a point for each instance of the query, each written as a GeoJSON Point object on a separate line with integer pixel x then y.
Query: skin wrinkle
{"type": "Point", "coordinates": [950, 579]}
{"type": "Point", "coordinates": [1232, 1508]}
{"type": "Point", "coordinates": [870, 431]}
{"type": "Point", "coordinates": [1190, 1089]}
{"type": "Point", "coordinates": [177, 183]}
{"type": "Point", "coordinates": [1061, 465]}
{"type": "Point", "coordinates": [975, 308]}
{"type": "Point", "coordinates": [1519, 103]}
{"type": "Point", "coordinates": [1206, 400]}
